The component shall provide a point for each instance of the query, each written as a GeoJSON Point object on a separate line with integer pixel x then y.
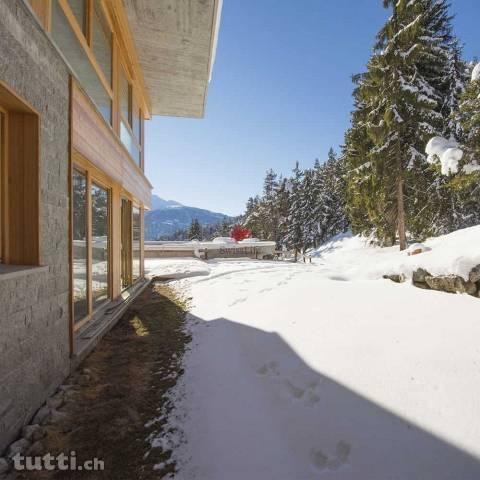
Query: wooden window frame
{"type": "Point", "coordinates": [43, 11]}
{"type": "Point", "coordinates": [127, 198]}
{"type": "Point", "coordinates": [3, 176]}
{"type": "Point", "coordinates": [134, 204]}
{"type": "Point", "coordinates": [118, 61]}
{"type": "Point", "coordinates": [20, 181]}
{"type": "Point", "coordinates": [128, 122]}
{"type": "Point", "coordinates": [86, 40]}
{"type": "Point", "coordinates": [140, 275]}
{"type": "Point", "coordinates": [94, 176]}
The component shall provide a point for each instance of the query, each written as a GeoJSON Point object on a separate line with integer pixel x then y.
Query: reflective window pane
{"type": "Point", "coordinates": [125, 136]}
{"type": "Point", "coordinates": [135, 154]}
{"type": "Point", "coordinates": [136, 121]}
{"type": "Point", "coordinates": [79, 9]}
{"type": "Point", "coordinates": [126, 242]}
{"type": "Point", "coordinates": [68, 44]}
{"type": "Point", "coordinates": [80, 300]}
{"type": "Point", "coordinates": [102, 41]}
{"type": "Point", "coordinates": [128, 142]}
{"type": "Point", "coordinates": [100, 245]}
{"type": "Point", "coordinates": [124, 96]}
{"type": "Point", "coordinates": [137, 226]}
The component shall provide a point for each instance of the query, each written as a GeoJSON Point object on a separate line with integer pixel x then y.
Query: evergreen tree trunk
{"type": "Point", "coordinates": [402, 237]}
{"type": "Point", "coordinates": [401, 214]}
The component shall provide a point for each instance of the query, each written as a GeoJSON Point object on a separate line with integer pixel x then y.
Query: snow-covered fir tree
{"type": "Point", "coordinates": [195, 230]}
{"type": "Point", "coordinates": [412, 83]}
{"type": "Point", "coordinates": [468, 118]}
{"type": "Point", "coordinates": [294, 238]}
{"type": "Point", "coordinates": [332, 216]}
{"type": "Point", "coordinates": [302, 211]}
{"type": "Point", "coordinates": [306, 210]}
{"type": "Point", "coordinates": [251, 217]}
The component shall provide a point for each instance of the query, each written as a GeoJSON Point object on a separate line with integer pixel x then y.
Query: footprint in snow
{"type": "Point", "coordinates": [321, 461]}
{"type": "Point", "coordinates": [294, 391]}
{"type": "Point", "coordinates": [265, 290]}
{"type": "Point", "coordinates": [308, 394]}
{"type": "Point", "coordinates": [239, 300]}
{"type": "Point", "coordinates": [269, 369]}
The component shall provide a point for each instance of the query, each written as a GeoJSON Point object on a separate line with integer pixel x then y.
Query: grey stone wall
{"type": "Point", "coordinates": [34, 315]}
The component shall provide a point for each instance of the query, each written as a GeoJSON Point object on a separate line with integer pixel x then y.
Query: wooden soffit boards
{"type": "Point", "coordinates": [175, 42]}
{"type": "Point", "coordinates": [96, 141]}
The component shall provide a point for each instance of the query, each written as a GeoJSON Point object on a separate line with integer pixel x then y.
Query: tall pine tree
{"type": "Point", "coordinates": [402, 98]}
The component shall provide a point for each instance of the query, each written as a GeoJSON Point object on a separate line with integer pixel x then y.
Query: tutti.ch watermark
{"type": "Point", "coordinates": [61, 461]}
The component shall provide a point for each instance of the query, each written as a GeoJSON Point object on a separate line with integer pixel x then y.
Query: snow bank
{"type": "Point", "coordinates": [456, 253]}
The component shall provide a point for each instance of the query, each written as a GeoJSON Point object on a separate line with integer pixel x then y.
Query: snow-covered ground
{"type": "Point", "coordinates": [175, 267]}
{"type": "Point", "coordinates": [300, 371]}
{"type": "Point", "coordinates": [453, 254]}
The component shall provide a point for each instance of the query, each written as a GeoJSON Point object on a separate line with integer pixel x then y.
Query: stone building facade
{"type": "Point", "coordinates": [77, 82]}
{"type": "Point", "coordinates": [34, 302]}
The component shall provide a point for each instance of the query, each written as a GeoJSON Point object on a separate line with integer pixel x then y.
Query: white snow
{"type": "Point", "coordinates": [224, 240]}
{"type": "Point", "coordinates": [446, 151]}
{"type": "Point", "coordinates": [471, 167]}
{"type": "Point", "coordinates": [449, 153]}
{"type": "Point", "coordinates": [175, 267]}
{"type": "Point", "coordinates": [456, 253]}
{"type": "Point", "coordinates": [324, 370]}
{"type": "Point", "coordinates": [416, 248]}
{"type": "Point", "coordinates": [476, 73]}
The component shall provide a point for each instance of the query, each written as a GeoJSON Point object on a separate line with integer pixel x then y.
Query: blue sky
{"type": "Point", "coordinates": [280, 93]}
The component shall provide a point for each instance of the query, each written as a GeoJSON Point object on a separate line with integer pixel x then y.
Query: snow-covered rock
{"type": "Point", "coordinates": [417, 248]}
{"type": "Point", "coordinates": [475, 274]}
{"type": "Point", "coordinates": [451, 284]}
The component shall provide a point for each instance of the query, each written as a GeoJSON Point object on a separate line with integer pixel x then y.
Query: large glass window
{"type": "Point", "coordinates": [130, 120]}
{"type": "Point", "coordinates": [100, 244]}
{"type": "Point", "coordinates": [80, 270]}
{"type": "Point", "coordinates": [102, 41]}
{"type": "Point", "coordinates": [75, 54]}
{"type": "Point", "coordinates": [126, 242]}
{"type": "Point", "coordinates": [124, 92]}
{"type": "Point", "coordinates": [136, 245]}
{"type": "Point", "coordinates": [136, 120]}
{"type": "Point", "coordinates": [79, 10]}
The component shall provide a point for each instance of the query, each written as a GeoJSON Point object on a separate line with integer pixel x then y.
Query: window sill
{"type": "Point", "coordinates": [8, 272]}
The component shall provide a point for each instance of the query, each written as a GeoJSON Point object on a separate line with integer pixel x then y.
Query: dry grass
{"type": "Point", "coordinates": [119, 388]}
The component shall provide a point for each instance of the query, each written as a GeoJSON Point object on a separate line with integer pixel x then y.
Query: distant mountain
{"type": "Point", "coordinates": [168, 216]}
{"type": "Point", "coordinates": [159, 203]}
